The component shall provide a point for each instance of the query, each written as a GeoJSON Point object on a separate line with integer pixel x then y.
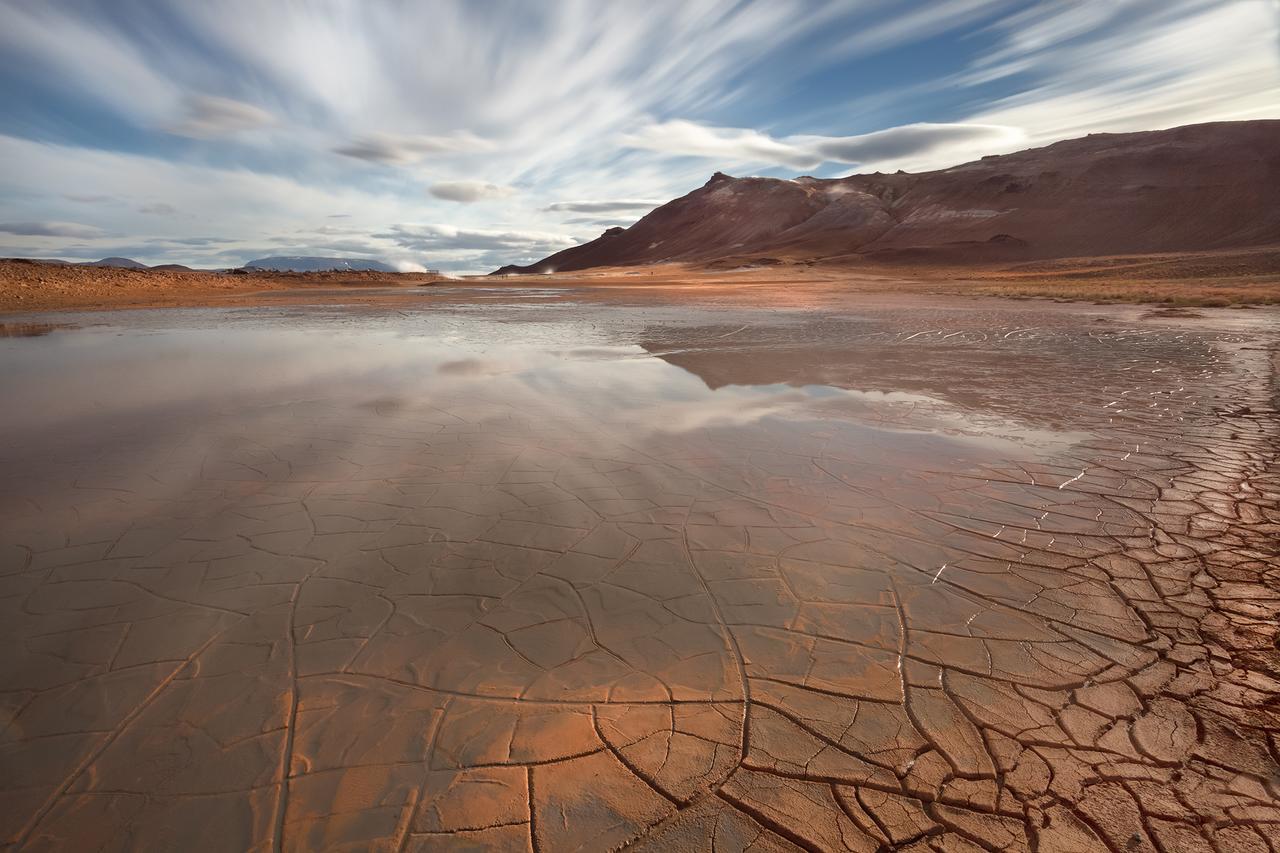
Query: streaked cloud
{"type": "Point", "coordinates": [467, 192]}
{"type": "Point", "coordinates": [399, 150]}
{"type": "Point", "coordinates": [51, 229]}
{"type": "Point", "coordinates": [210, 115]}
{"type": "Point", "coordinates": [438, 236]}
{"type": "Point", "coordinates": [908, 143]}
{"type": "Point", "coordinates": [621, 205]}
{"type": "Point", "coordinates": [261, 121]}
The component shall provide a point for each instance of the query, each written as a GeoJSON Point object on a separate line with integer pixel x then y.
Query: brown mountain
{"type": "Point", "coordinates": [1194, 188]}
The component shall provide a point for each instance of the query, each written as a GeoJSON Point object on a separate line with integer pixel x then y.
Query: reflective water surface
{"type": "Point", "coordinates": [512, 570]}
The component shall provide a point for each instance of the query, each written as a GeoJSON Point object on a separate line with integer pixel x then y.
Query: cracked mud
{"type": "Point", "coordinates": [560, 571]}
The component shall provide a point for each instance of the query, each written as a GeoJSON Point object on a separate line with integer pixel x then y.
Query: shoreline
{"type": "Point", "coordinates": [1229, 280]}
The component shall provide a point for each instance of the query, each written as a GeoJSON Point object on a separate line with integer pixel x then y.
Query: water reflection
{"type": "Point", "coordinates": [577, 374]}
{"type": "Point", "coordinates": [253, 557]}
{"type": "Point", "coordinates": [30, 330]}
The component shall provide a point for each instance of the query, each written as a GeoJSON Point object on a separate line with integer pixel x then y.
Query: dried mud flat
{"type": "Point", "coordinates": [564, 568]}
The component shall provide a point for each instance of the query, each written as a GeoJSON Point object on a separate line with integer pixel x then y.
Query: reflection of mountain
{"type": "Point", "coordinates": [950, 357]}
{"type": "Point", "coordinates": [1201, 187]}
{"type": "Point", "coordinates": [853, 367]}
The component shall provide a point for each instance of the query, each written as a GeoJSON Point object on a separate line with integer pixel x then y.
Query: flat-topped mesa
{"type": "Point", "coordinates": [1189, 189]}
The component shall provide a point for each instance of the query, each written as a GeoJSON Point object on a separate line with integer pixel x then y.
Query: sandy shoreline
{"type": "Point", "coordinates": [1205, 279]}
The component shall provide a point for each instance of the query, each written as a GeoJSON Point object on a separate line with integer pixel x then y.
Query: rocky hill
{"type": "Point", "coordinates": [1194, 188]}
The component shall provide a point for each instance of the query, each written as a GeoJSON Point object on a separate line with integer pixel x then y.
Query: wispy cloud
{"type": "Point", "coordinates": [210, 115]}
{"type": "Point", "coordinates": [399, 150]}
{"type": "Point", "coordinates": [262, 120]}
{"type": "Point", "coordinates": [620, 205]}
{"type": "Point", "coordinates": [437, 236]}
{"type": "Point", "coordinates": [467, 192]}
{"type": "Point", "coordinates": [51, 229]}
{"type": "Point", "coordinates": [910, 143]}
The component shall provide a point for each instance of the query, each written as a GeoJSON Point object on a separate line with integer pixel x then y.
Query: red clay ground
{"type": "Point", "coordinates": [545, 565]}
{"type": "Point", "coordinates": [1208, 279]}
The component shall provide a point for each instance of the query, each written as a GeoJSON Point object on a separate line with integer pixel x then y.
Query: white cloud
{"type": "Point", "coordinates": [210, 115]}
{"type": "Point", "coordinates": [1100, 69]}
{"type": "Point", "coordinates": [620, 205]}
{"type": "Point", "coordinates": [904, 26]}
{"type": "Point", "coordinates": [722, 144]}
{"type": "Point", "coordinates": [51, 229]}
{"type": "Point", "coordinates": [467, 192]}
{"type": "Point", "coordinates": [400, 149]}
{"type": "Point", "coordinates": [537, 96]}
{"type": "Point", "coordinates": [438, 236]}
{"type": "Point", "coordinates": [936, 144]}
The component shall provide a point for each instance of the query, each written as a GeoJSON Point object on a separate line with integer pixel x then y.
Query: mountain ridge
{"type": "Point", "coordinates": [1192, 188]}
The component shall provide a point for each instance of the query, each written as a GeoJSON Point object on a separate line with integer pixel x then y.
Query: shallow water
{"type": "Point", "coordinates": [328, 574]}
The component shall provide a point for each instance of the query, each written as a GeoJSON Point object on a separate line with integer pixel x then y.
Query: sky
{"type": "Point", "coordinates": [467, 134]}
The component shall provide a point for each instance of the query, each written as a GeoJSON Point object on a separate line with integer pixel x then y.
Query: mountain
{"type": "Point", "coordinates": [123, 263]}
{"type": "Point", "coordinates": [1193, 188]}
{"type": "Point", "coordinates": [297, 263]}
{"type": "Point", "coordinates": [174, 268]}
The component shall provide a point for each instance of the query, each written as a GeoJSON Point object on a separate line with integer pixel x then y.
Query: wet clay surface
{"type": "Point", "coordinates": [558, 569]}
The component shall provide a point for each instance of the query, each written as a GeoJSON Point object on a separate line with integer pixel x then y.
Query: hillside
{"type": "Point", "coordinates": [1194, 188]}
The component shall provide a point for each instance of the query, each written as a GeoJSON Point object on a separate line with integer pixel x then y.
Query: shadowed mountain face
{"type": "Point", "coordinates": [122, 263]}
{"type": "Point", "coordinates": [1194, 188]}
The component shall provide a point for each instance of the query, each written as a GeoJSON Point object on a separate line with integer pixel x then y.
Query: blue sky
{"type": "Point", "coordinates": [469, 134]}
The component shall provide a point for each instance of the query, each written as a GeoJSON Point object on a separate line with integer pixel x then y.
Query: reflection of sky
{"type": "Point", "coordinates": [562, 368]}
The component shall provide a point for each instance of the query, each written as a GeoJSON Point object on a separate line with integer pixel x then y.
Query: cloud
{"type": "Point", "coordinates": [1093, 67]}
{"type": "Point", "coordinates": [467, 192]}
{"type": "Point", "coordinates": [399, 150]}
{"type": "Point", "coordinates": [539, 95]}
{"type": "Point", "coordinates": [941, 142]}
{"type": "Point", "coordinates": [158, 208]}
{"type": "Point", "coordinates": [210, 115]}
{"type": "Point", "coordinates": [601, 223]}
{"type": "Point", "coordinates": [188, 241]}
{"type": "Point", "coordinates": [724, 144]}
{"type": "Point", "coordinates": [434, 237]}
{"type": "Point", "coordinates": [51, 229]}
{"type": "Point", "coordinates": [914, 140]}
{"type": "Point", "coordinates": [615, 206]}
{"type": "Point", "coordinates": [904, 26]}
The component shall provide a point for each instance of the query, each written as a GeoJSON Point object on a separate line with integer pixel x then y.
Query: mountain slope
{"type": "Point", "coordinates": [121, 263]}
{"type": "Point", "coordinates": [1194, 188]}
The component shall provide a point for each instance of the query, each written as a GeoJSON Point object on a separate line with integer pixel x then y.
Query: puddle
{"type": "Point", "coordinates": [110, 379]}
{"type": "Point", "coordinates": [538, 545]}
{"type": "Point", "coordinates": [31, 330]}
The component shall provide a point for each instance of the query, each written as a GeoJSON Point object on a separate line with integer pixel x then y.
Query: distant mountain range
{"type": "Point", "coordinates": [1189, 189]}
{"type": "Point", "coordinates": [298, 263]}
{"type": "Point", "coordinates": [294, 263]}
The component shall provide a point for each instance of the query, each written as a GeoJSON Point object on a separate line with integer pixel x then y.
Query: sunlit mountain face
{"type": "Point", "coordinates": [468, 136]}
